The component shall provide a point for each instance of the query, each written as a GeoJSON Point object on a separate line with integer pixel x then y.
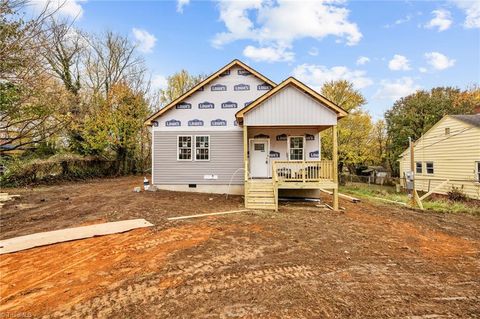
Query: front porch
{"type": "Point", "coordinates": [262, 190]}
{"type": "Point", "coordinates": [282, 144]}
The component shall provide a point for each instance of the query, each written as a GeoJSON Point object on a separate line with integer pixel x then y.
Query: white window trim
{"type": "Point", "coordinates": [288, 148]}
{"type": "Point", "coordinates": [477, 171]}
{"type": "Point", "coordinates": [192, 147]}
{"type": "Point", "coordinates": [426, 169]}
{"type": "Point", "coordinates": [195, 149]}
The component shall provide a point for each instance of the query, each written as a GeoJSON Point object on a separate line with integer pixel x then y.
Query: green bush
{"type": "Point", "coordinates": [456, 194]}
{"type": "Point", "coordinates": [56, 168]}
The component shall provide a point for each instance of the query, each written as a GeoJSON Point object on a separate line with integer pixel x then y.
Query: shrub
{"type": "Point", "coordinates": [56, 168]}
{"type": "Point", "coordinates": [456, 194]}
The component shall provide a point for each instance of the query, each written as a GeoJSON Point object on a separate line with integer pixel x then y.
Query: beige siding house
{"type": "Point", "coordinates": [450, 150]}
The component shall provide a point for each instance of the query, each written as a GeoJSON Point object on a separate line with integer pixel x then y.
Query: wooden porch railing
{"type": "Point", "coordinates": [302, 171]}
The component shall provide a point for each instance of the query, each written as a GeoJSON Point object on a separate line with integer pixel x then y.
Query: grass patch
{"type": "Point", "coordinates": [388, 193]}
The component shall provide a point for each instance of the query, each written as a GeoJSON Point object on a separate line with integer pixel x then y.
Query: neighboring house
{"type": "Point", "coordinates": [450, 150]}
{"type": "Point", "coordinates": [239, 132]}
{"type": "Point", "coordinates": [376, 174]}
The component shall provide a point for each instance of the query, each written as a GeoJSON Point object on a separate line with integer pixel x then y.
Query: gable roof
{"type": "Point", "coordinates": [473, 120]}
{"type": "Point", "coordinates": [209, 79]}
{"type": "Point", "coordinates": [299, 85]}
{"type": "Point", "coordinates": [469, 119]}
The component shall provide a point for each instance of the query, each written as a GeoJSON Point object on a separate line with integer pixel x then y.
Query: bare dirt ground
{"type": "Point", "coordinates": [372, 260]}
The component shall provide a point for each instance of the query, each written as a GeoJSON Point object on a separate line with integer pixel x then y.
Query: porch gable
{"type": "Point", "coordinates": [290, 106]}
{"type": "Point", "coordinates": [291, 103]}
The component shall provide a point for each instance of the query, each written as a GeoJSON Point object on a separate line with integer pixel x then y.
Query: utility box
{"type": "Point", "coordinates": [409, 180]}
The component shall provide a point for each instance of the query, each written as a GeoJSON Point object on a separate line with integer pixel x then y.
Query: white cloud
{"type": "Point", "coordinates": [181, 4]}
{"type": "Point", "coordinates": [442, 20]}
{"type": "Point", "coordinates": [159, 82]}
{"type": "Point", "coordinates": [316, 75]}
{"type": "Point", "coordinates": [439, 61]}
{"type": "Point", "coordinates": [362, 60]}
{"type": "Point", "coordinates": [279, 23]}
{"type": "Point", "coordinates": [145, 40]}
{"type": "Point", "coordinates": [472, 12]}
{"type": "Point", "coordinates": [423, 70]}
{"type": "Point", "coordinates": [313, 51]}
{"type": "Point", "coordinates": [406, 19]}
{"type": "Point", "coordinates": [268, 54]}
{"type": "Point", "coordinates": [66, 8]}
{"type": "Point", "coordinates": [399, 63]}
{"type": "Point", "coordinates": [393, 90]}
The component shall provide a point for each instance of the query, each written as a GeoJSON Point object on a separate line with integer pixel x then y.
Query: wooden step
{"type": "Point", "coordinates": [261, 200]}
{"type": "Point", "coordinates": [261, 206]}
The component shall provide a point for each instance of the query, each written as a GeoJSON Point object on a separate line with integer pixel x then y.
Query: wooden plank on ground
{"type": "Point", "coordinates": [208, 214]}
{"type": "Point", "coordinates": [350, 198]}
{"type": "Point", "coordinates": [58, 236]}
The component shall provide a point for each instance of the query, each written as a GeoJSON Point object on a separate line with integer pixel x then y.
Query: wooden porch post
{"type": "Point", "coordinates": [335, 166]}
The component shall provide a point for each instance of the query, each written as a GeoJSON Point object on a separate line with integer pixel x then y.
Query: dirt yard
{"type": "Point", "coordinates": [371, 260]}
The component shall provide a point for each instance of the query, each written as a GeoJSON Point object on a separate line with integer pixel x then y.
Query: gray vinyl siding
{"type": "Point", "coordinates": [226, 156]}
{"type": "Point", "coordinates": [288, 107]}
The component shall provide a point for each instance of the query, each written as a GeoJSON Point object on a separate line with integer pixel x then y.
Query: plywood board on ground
{"type": "Point", "coordinates": [58, 236]}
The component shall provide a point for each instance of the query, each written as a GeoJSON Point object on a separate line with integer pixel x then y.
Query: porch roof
{"type": "Point", "coordinates": [305, 100]}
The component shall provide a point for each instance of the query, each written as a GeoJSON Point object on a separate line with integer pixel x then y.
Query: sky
{"type": "Point", "coordinates": [387, 49]}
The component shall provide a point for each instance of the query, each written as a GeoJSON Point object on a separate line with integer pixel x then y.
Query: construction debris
{"type": "Point", "coordinates": [209, 214]}
{"type": "Point", "coordinates": [58, 236]}
{"type": "Point", "coordinates": [350, 198]}
{"type": "Point", "coordinates": [4, 197]}
{"type": "Point", "coordinates": [391, 201]}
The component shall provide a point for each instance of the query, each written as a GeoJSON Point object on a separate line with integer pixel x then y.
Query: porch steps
{"type": "Point", "coordinates": [260, 195]}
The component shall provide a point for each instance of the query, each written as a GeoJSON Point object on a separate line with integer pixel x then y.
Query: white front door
{"type": "Point", "coordinates": [259, 157]}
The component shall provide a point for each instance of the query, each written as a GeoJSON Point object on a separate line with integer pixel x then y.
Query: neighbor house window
{"type": "Point", "coordinates": [418, 167]}
{"type": "Point", "coordinates": [447, 131]}
{"type": "Point", "coordinates": [477, 167]}
{"type": "Point", "coordinates": [429, 166]}
{"type": "Point", "coordinates": [184, 152]}
{"type": "Point", "coordinates": [296, 148]}
{"type": "Point", "coordinates": [202, 148]}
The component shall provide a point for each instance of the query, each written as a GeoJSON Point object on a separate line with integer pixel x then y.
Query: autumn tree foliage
{"type": "Point", "coordinates": [413, 115]}
{"type": "Point", "coordinates": [355, 131]}
{"type": "Point", "coordinates": [177, 84]}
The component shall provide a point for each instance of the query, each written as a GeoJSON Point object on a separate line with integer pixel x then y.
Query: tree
{"type": "Point", "coordinates": [178, 84]}
{"type": "Point", "coordinates": [379, 143]}
{"type": "Point", "coordinates": [413, 115]}
{"type": "Point", "coordinates": [32, 106]}
{"type": "Point", "coordinates": [343, 94]}
{"type": "Point", "coordinates": [112, 59]}
{"type": "Point", "coordinates": [63, 51]}
{"type": "Point", "coordinates": [354, 131]}
{"type": "Point", "coordinates": [116, 126]}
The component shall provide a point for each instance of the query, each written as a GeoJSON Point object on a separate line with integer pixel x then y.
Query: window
{"type": "Point", "coordinates": [296, 148]}
{"type": "Point", "coordinates": [477, 167]}
{"type": "Point", "coordinates": [429, 167]}
{"type": "Point", "coordinates": [418, 167]}
{"type": "Point", "coordinates": [447, 131]}
{"type": "Point", "coordinates": [184, 148]}
{"type": "Point", "coordinates": [259, 147]}
{"type": "Point", "coordinates": [202, 148]}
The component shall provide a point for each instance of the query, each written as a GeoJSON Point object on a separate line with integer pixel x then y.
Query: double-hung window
{"type": "Point", "coordinates": [202, 148]}
{"type": "Point", "coordinates": [429, 167]}
{"type": "Point", "coordinates": [193, 148]}
{"type": "Point", "coordinates": [296, 148]}
{"type": "Point", "coordinates": [418, 167]}
{"type": "Point", "coordinates": [184, 148]}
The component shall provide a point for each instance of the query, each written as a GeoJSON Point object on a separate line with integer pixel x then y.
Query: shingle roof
{"type": "Point", "coordinates": [469, 119]}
